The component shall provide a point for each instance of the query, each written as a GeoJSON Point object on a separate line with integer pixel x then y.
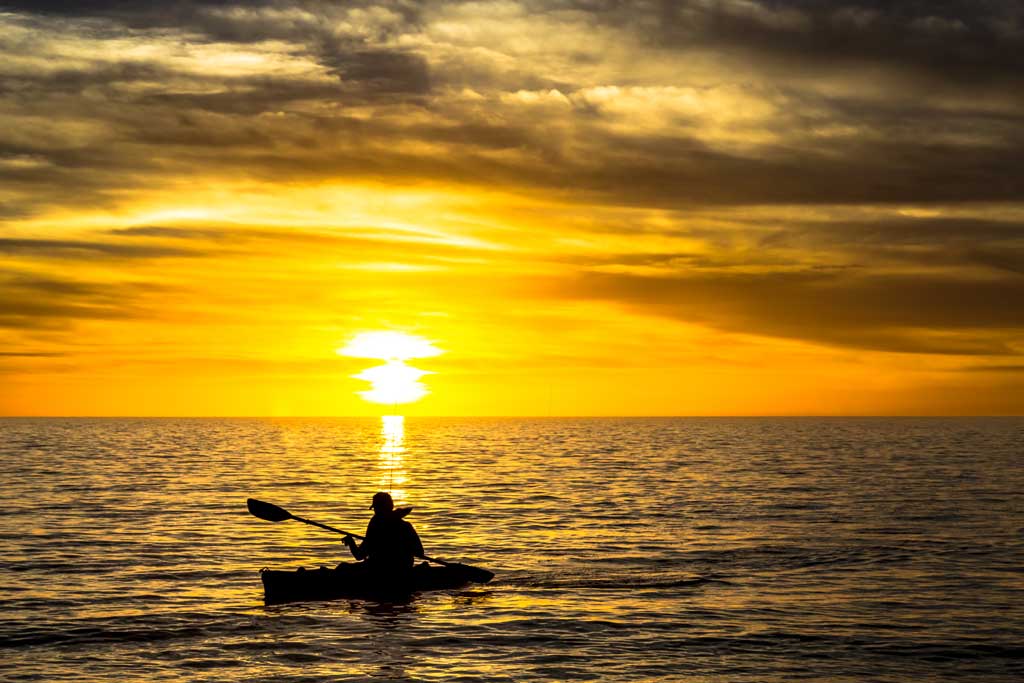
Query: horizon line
{"type": "Point", "coordinates": [512, 417]}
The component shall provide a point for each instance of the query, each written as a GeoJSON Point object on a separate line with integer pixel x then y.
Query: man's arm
{"type": "Point", "coordinates": [362, 550]}
{"type": "Point", "coordinates": [358, 552]}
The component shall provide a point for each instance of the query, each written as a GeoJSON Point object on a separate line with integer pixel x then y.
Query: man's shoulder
{"type": "Point", "coordinates": [392, 522]}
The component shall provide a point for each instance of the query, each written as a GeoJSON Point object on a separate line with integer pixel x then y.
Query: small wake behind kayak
{"type": "Point", "coordinates": [353, 581]}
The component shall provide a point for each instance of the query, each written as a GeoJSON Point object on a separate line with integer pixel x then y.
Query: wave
{"type": "Point", "coordinates": [612, 582]}
{"type": "Point", "coordinates": [94, 635]}
{"type": "Point", "coordinates": [122, 630]}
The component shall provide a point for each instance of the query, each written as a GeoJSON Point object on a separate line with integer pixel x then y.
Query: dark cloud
{"type": "Point", "coordinates": [172, 12]}
{"type": "Point", "coordinates": [968, 41]}
{"type": "Point", "coordinates": [932, 242]}
{"type": "Point", "coordinates": [1000, 369]}
{"type": "Point", "coordinates": [36, 302]}
{"type": "Point", "coordinates": [353, 56]}
{"type": "Point", "coordinates": [68, 81]}
{"type": "Point", "coordinates": [904, 313]}
{"type": "Point", "coordinates": [82, 250]}
{"type": "Point", "coordinates": [30, 354]}
{"type": "Point", "coordinates": [379, 71]}
{"type": "Point", "coordinates": [911, 231]}
{"type": "Point", "coordinates": [242, 100]}
{"type": "Point", "coordinates": [671, 172]}
{"type": "Point", "coordinates": [172, 232]}
{"type": "Point", "coordinates": [358, 244]}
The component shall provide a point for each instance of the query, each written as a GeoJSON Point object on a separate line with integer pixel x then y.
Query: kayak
{"type": "Point", "coordinates": [351, 580]}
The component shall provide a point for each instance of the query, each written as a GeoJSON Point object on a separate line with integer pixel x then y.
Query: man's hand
{"type": "Point", "coordinates": [349, 541]}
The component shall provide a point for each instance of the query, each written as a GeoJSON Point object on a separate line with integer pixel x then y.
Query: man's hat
{"type": "Point", "coordinates": [382, 498]}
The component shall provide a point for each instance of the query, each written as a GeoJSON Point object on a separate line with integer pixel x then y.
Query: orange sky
{"type": "Point", "coordinates": [721, 208]}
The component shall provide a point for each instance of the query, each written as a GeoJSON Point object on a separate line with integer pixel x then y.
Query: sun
{"type": "Point", "coordinates": [394, 382]}
{"type": "Point", "coordinates": [389, 346]}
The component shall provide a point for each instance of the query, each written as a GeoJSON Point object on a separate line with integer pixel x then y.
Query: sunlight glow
{"type": "Point", "coordinates": [389, 346]}
{"type": "Point", "coordinates": [394, 382]}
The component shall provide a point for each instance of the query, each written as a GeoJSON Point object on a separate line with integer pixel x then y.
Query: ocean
{"type": "Point", "coordinates": [669, 549]}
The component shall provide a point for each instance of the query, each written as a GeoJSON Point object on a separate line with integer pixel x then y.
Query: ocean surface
{"type": "Point", "coordinates": [625, 549]}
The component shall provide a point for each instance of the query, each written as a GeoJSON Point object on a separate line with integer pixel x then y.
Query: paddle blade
{"type": "Point", "coordinates": [267, 511]}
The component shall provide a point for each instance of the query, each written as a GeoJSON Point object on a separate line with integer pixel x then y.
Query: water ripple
{"type": "Point", "coordinates": [660, 549]}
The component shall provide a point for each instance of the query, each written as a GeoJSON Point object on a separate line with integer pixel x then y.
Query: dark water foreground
{"type": "Point", "coordinates": [669, 549]}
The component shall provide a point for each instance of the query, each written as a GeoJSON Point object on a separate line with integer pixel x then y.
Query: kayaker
{"type": "Point", "coordinates": [391, 545]}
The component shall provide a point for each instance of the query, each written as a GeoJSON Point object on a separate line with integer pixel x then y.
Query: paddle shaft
{"type": "Point", "coordinates": [324, 526]}
{"type": "Point", "coordinates": [341, 531]}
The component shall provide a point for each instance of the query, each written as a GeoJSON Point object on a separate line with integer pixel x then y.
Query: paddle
{"type": "Point", "coordinates": [275, 513]}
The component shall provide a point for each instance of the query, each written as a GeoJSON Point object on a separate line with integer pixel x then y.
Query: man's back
{"type": "Point", "coordinates": [391, 542]}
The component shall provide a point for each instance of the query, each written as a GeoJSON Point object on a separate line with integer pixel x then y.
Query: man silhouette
{"type": "Point", "coordinates": [391, 545]}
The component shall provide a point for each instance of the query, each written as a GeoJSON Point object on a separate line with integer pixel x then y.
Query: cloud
{"type": "Point", "coordinates": [1000, 369]}
{"type": "Point", "coordinates": [171, 232]}
{"type": "Point", "coordinates": [901, 313]}
{"type": "Point", "coordinates": [380, 71]}
{"type": "Point", "coordinates": [898, 241]}
{"type": "Point", "coordinates": [355, 241]}
{"type": "Point", "coordinates": [30, 354]}
{"type": "Point", "coordinates": [81, 250]}
{"type": "Point", "coordinates": [38, 302]}
{"type": "Point", "coordinates": [960, 40]}
{"type": "Point", "coordinates": [692, 121]}
{"type": "Point", "coordinates": [469, 93]}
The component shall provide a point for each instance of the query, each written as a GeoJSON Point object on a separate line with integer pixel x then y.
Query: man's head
{"type": "Point", "coordinates": [382, 502]}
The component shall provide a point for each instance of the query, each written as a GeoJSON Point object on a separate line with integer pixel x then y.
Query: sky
{"type": "Point", "coordinates": [593, 207]}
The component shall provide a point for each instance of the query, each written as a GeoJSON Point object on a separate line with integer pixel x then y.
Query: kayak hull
{"type": "Point", "coordinates": [350, 580]}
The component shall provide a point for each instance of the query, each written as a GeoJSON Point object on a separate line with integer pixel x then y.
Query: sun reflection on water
{"type": "Point", "coordinates": [392, 455]}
